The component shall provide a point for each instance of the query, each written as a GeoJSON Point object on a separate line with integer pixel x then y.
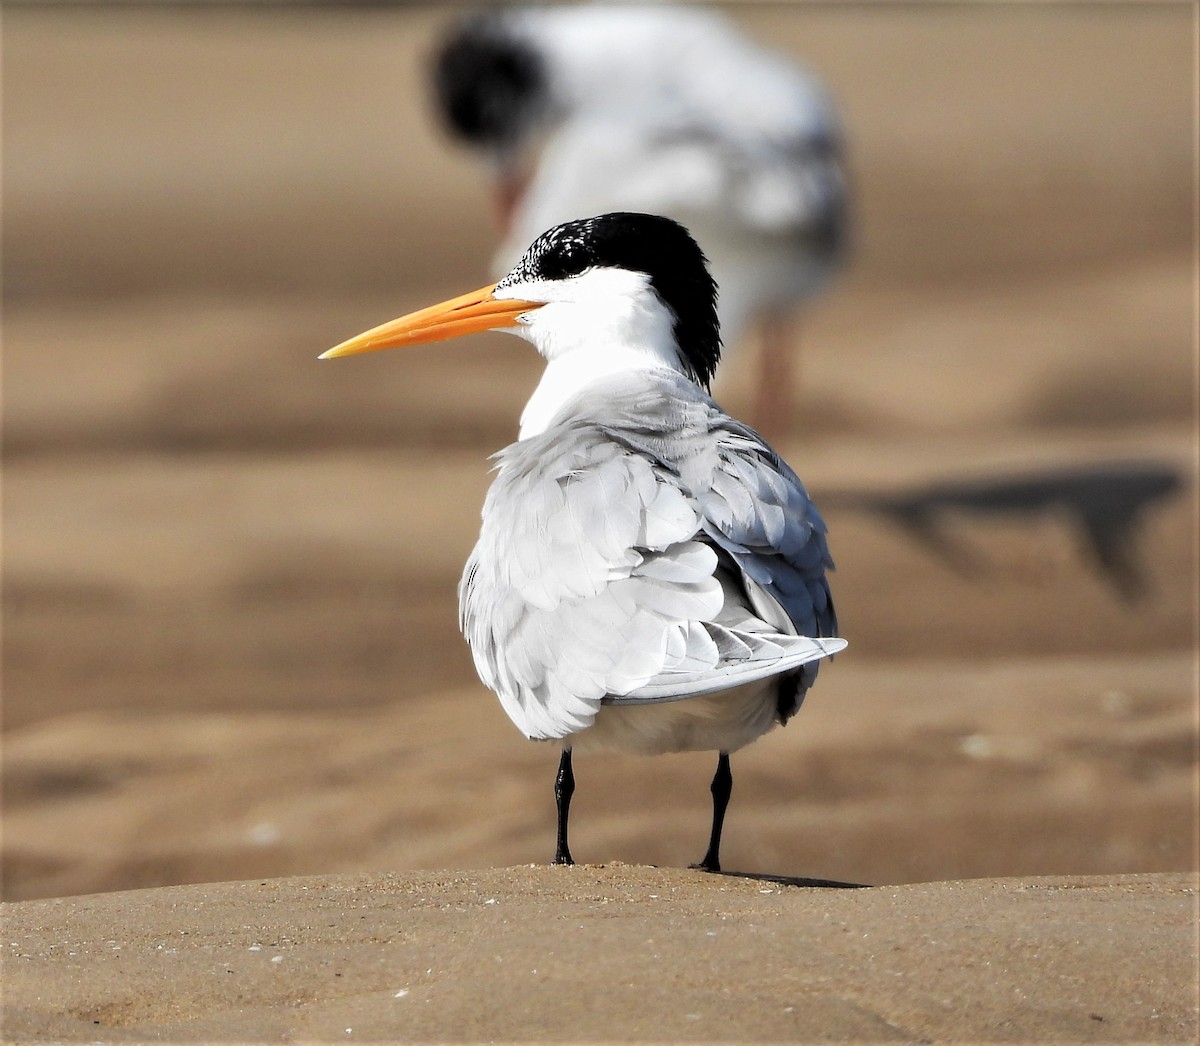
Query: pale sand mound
{"type": "Point", "coordinates": [617, 952]}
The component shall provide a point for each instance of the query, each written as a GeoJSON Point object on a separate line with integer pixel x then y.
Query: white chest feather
{"type": "Point", "coordinates": [567, 376]}
{"type": "Point", "coordinates": [604, 322]}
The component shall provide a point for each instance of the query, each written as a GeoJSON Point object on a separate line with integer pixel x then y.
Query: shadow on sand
{"type": "Point", "coordinates": [794, 880]}
{"type": "Point", "coordinates": [1104, 504]}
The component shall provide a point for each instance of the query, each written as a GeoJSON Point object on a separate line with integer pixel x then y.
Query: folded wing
{"type": "Point", "coordinates": [616, 566]}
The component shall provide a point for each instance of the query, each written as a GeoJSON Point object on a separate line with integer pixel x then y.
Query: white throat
{"type": "Point", "coordinates": [599, 324]}
{"type": "Point", "coordinates": [564, 378]}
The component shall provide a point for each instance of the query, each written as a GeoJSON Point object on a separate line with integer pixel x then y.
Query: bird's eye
{"type": "Point", "coordinates": [564, 261]}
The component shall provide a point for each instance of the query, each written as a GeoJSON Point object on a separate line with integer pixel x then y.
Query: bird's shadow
{"type": "Point", "coordinates": [792, 880]}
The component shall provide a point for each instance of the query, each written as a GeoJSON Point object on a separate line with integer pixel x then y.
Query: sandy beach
{"type": "Point", "coordinates": [621, 953]}
{"type": "Point", "coordinates": [252, 789]}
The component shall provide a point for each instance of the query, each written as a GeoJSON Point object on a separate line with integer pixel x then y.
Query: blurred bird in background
{"type": "Point", "coordinates": [590, 108]}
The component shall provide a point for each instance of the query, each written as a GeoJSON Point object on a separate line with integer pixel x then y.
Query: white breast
{"type": "Point", "coordinates": [721, 722]}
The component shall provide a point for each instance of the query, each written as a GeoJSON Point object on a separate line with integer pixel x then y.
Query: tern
{"type": "Point", "coordinates": [586, 108]}
{"type": "Point", "coordinates": [650, 576]}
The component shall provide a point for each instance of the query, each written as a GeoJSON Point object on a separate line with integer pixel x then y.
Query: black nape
{"type": "Point", "coordinates": [659, 247]}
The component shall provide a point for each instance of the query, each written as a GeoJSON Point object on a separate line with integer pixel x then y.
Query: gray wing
{"type": "Point", "coordinates": [771, 544]}
{"type": "Point", "coordinates": [759, 513]}
{"type": "Point", "coordinates": [641, 562]}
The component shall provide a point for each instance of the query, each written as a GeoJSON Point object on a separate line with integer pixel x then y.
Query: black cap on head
{"type": "Point", "coordinates": [659, 247]}
{"type": "Point", "coordinates": [490, 85]}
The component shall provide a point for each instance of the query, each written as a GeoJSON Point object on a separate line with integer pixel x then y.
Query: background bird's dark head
{"type": "Point", "coordinates": [490, 84]}
{"type": "Point", "coordinates": [648, 243]}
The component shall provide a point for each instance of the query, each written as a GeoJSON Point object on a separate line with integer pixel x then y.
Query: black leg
{"type": "Point", "coordinates": [564, 788]}
{"type": "Point", "coordinates": [722, 786]}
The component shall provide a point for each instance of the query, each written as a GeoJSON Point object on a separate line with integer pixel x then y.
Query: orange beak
{"type": "Point", "coordinates": [466, 314]}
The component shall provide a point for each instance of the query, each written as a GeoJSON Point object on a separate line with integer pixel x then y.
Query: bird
{"type": "Point", "coordinates": [586, 108]}
{"type": "Point", "coordinates": [650, 576]}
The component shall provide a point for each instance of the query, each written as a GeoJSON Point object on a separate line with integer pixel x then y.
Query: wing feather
{"type": "Point", "coordinates": [664, 554]}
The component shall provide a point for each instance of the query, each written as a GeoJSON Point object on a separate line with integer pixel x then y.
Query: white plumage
{"type": "Point", "coordinates": [607, 570]}
{"type": "Point", "coordinates": [649, 574]}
